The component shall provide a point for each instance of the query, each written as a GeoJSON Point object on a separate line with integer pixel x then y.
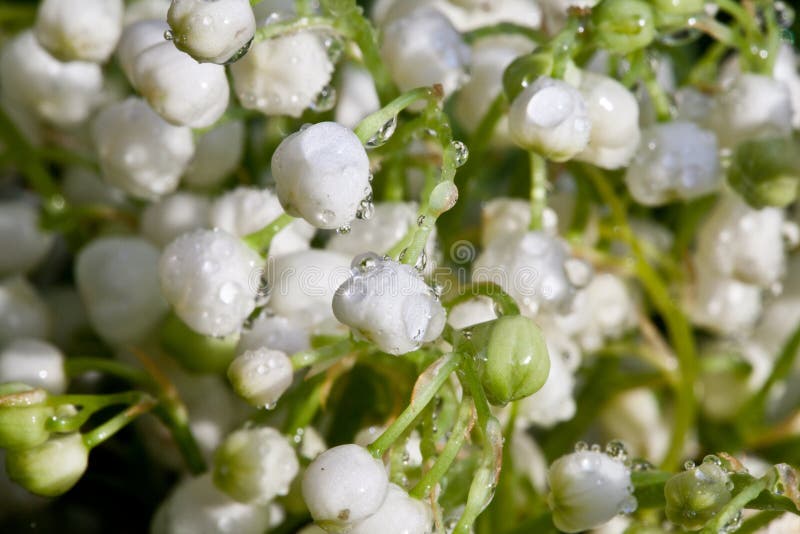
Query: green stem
{"type": "Point", "coordinates": [506, 303]}
{"type": "Point", "coordinates": [657, 94]}
{"type": "Point", "coordinates": [735, 505]}
{"type": "Point", "coordinates": [27, 160]}
{"type": "Point", "coordinates": [458, 435]}
{"type": "Point", "coordinates": [563, 46]}
{"type": "Point", "coordinates": [75, 366]}
{"type": "Point", "coordinates": [484, 480]}
{"type": "Point", "coordinates": [469, 377]}
{"type": "Point", "coordinates": [277, 29]}
{"type": "Point", "coordinates": [425, 389]}
{"type": "Point", "coordinates": [372, 123]}
{"type": "Point", "coordinates": [307, 358]}
{"type": "Point", "coordinates": [109, 428]}
{"type": "Point", "coordinates": [538, 190]}
{"type": "Point", "coordinates": [90, 404]}
{"type": "Point", "coordinates": [505, 28]}
{"type": "Point", "coordinates": [261, 239]}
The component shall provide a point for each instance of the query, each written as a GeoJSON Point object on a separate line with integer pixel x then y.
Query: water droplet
{"type": "Point", "coordinates": [581, 446]}
{"type": "Point", "coordinates": [334, 47]}
{"type": "Point", "coordinates": [383, 134]}
{"type": "Point", "coordinates": [325, 99]}
{"type": "Point", "coordinates": [616, 449]}
{"type": "Point", "coordinates": [689, 465]}
{"type": "Point", "coordinates": [732, 525]}
{"type": "Point", "coordinates": [595, 447]}
{"type": "Point", "coordinates": [422, 261]}
{"type": "Point", "coordinates": [640, 464]}
{"type": "Point", "coordinates": [344, 229]}
{"type": "Point", "coordinates": [420, 220]}
{"type": "Point", "coordinates": [366, 208]}
{"type": "Point", "coordinates": [462, 152]}
{"type": "Point", "coordinates": [680, 37]}
{"type": "Point", "coordinates": [240, 53]}
{"type": "Point", "coordinates": [168, 35]}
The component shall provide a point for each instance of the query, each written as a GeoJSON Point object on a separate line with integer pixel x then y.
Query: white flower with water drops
{"type": "Point", "coordinates": [215, 32]}
{"type": "Point", "coordinates": [261, 376]}
{"type": "Point", "coordinates": [83, 30]}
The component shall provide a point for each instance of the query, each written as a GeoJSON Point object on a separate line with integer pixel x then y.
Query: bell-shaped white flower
{"type": "Point", "coordinates": [180, 89]}
{"type": "Point", "coordinates": [261, 376]}
{"type": "Point", "coordinates": [270, 331]}
{"type": "Point", "coordinates": [34, 362]}
{"type": "Point", "coordinates": [357, 96]}
{"type": "Point", "coordinates": [84, 30]}
{"type": "Point", "coordinates": [284, 75]}
{"type": "Point", "coordinates": [118, 281]}
{"type": "Point", "coordinates": [215, 32]}
{"type": "Point", "coordinates": [23, 313]}
{"type": "Point", "coordinates": [588, 489]}
{"type": "Point", "coordinates": [139, 151]}
{"type": "Point", "coordinates": [301, 286]}
{"type": "Point", "coordinates": [343, 485]}
{"type": "Point", "coordinates": [63, 94]}
{"type": "Point", "coordinates": [550, 117]}
{"type": "Point", "coordinates": [390, 304]}
{"type": "Point", "coordinates": [51, 468]}
{"type": "Point", "coordinates": [423, 48]}
{"type": "Point", "coordinates": [173, 215]}
{"type": "Point", "coordinates": [254, 465]}
{"type": "Point", "coordinates": [742, 242]}
{"type": "Point", "coordinates": [245, 210]}
{"type": "Point", "coordinates": [322, 174]}
{"type": "Point", "coordinates": [211, 279]}
{"type": "Point", "coordinates": [20, 233]}
{"type": "Point", "coordinates": [399, 514]}
{"type": "Point", "coordinates": [675, 160]}
{"type": "Point", "coordinates": [196, 505]}
{"type": "Point", "coordinates": [218, 153]}
{"type": "Point", "coordinates": [722, 304]}
{"type": "Point", "coordinates": [136, 38]}
{"type": "Point", "coordinates": [614, 113]}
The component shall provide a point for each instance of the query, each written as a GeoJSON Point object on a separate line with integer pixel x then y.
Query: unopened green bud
{"type": "Point", "coordinates": [51, 468]}
{"type": "Point", "coordinates": [196, 352]}
{"type": "Point", "coordinates": [23, 416]}
{"type": "Point", "coordinates": [678, 7]}
{"type": "Point", "coordinates": [443, 197]}
{"type": "Point", "coordinates": [516, 363]}
{"type": "Point", "coordinates": [524, 70]}
{"type": "Point", "coordinates": [697, 494]}
{"type": "Point", "coordinates": [623, 26]}
{"type": "Point", "coordinates": [766, 172]}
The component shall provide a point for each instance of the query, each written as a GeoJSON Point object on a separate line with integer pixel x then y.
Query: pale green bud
{"type": "Point", "coordinates": [623, 26]}
{"type": "Point", "coordinates": [766, 172]}
{"type": "Point", "coordinates": [196, 352]}
{"type": "Point", "coordinates": [697, 494]}
{"type": "Point", "coordinates": [51, 468]}
{"type": "Point", "coordinates": [23, 416]}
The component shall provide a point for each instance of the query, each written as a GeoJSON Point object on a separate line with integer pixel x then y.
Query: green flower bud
{"type": "Point", "coordinates": [51, 468]}
{"type": "Point", "coordinates": [23, 416]}
{"type": "Point", "coordinates": [678, 7]}
{"type": "Point", "coordinates": [525, 69]}
{"type": "Point", "coordinates": [516, 363]}
{"type": "Point", "coordinates": [766, 172]}
{"type": "Point", "coordinates": [196, 352]}
{"type": "Point", "coordinates": [697, 494]}
{"type": "Point", "coordinates": [623, 26]}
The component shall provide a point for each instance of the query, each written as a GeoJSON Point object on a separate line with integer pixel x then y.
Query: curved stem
{"type": "Point", "coordinates": [538, 197]}
{"type": "Point", "coordinates": [109, 428]}
{"type": "Point", "coordinates": [307, 358]}
{"type": "Point", "coordinates": [372, 123]}
{"type": "Point", "coordinates": [485, 479]}
{"type": "Point", "coordinates": [469, 377]}
{"type": "Point", "coordinates": [75, 366]}
{"type": "Point", "coordinates": [735, 505]}
{"type": "Point", "coordinates": [506, 303]}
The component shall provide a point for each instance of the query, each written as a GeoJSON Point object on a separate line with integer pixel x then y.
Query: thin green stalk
{"type": "Point", "coordinates": [469, 377]}
{"type": "Point", "coordinates": [75, 366]}
{"type": "Point", "coordinates": [484, 480]}
{"type": "Point", "coordinates": [372, 123]}
{"type": "Point", "coordinates": [27, 160]}
{"type": "Point", "coordinates": [735, 505]}
{"type": "Point", "coordinates": [100, 434]}
{"type": "Point", "coordinates": [505, 28]}
{"type": "Point", "coordinates": [538, 196]}
{"type": "Point", "coordinates": [458, 436]}
{"type": "Point", "coordinates": [90, 404]}
{"type": "Point", "coordinates": [261, 239]}
{"type": "Point", "coordinates": [307, 358]}
{"type": "Point", "coordinates": [503, 300]}
{"type": "Point", "coordinates": [428, 383]}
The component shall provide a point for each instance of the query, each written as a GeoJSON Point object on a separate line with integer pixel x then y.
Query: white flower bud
{"type": "Point", "coordinates": [51, 468]}
{"type": "Point", "coordinates": [138, 10]}
{"type": "Point", "coordinates": [86, 30]}
{"type": "Point", "coordinates": [343, 485]}
{"type": "Point", "coordinates": [302, 285]}
{"type": "Point", "coordinates": [723, 304]}
{"type": "Point", "coordinates": [312, 444]}
{"type": "Point", "coordinates": [118, 281]}
{"type": "Point", "coordinates": [399, 514]}
{"type": "Point", "coordinates": [180, 89]}
{"type": "Point", "coordinates": [503, 216]}
{"type": "Point", "coordinates": [33, 362]}
{"type": "Point", "coordinates": [423, 48]}
{"type": "Point", "coordinates": [530, 267]}
{"type": "Point", "coordinates": [322, 174]}
{"type": "Point", "coordinates": [614, 113]}
{"type": "Point", "coordinates": [197, 506]}
{"type": "Point", "coordinates": [63, 94]}
{"type": "Point", "coordinates": [282, 76]}
{"type": "Point", "coordinates": [211, 279]}
{"type": "Point", "coordinates": [390, 304]}
{"type": "Point", "coordinates": [215, 32]}
{"type": "Point", "coordinates": [20, 233]}
{"type": "Point", "coordinates": [139, 151]}
{"type": "Point", "coordinates": [261, 376]}
{"type": "Point", "coordinates": [245, 210]}
{"type": "Point", "coordinates": [254, 465]}
{"type": "Point", "coordinates": [587, 489]}
{"type": "Point", "coordinates": [357, 96]}
{"type": "Point", "coordinates": [173, 215]}
{"type": "Point", "coordinates": [274, 332]}
{"type": "Point", "coordinates": [22, 311]}
{"type": "Point", "coordinates": [137, 38]}
{"type": "Point", "coordinates": [550, 117]}
{"type": "Point", "coordinates": [529, 459]}
{"type": "Point", "coordinates": [675, 160]}
{"type": "Point", "coordinates": [753, 106]}
{"type": "Point", "coordinates": [218, 153]}
{"type": "Point", "coordinates": [743, 243]}
{"type": "Point", "coordinates": [635, 418]}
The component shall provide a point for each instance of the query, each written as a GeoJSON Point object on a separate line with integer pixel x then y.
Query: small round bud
{"type": "Point", "coordinates": [399, 514]}
{"type": "Point", "coordinates": [766, 172]}
{"type": "Point", "coordinates": [85, 30]}
{"type": "Point", "coordinates": [343, 485]}
{"type": "Point", "coordinates": [696, 495]}
{"type": "Point", "coordinates": [215, 32]}
{"type": "Point", "coordinates": [322, 174]}
{"type": "Point", "coordinates": [254, 465]}
{"type": "Point", "coordinates": [183, 91]}
{"type": "Point", "coordinates": [516, 362]}
{"type": "Point", "coordinates": [136, 38]}
{"type": "Point", "coordinates": [390, 304]}
{"type": "Point", "coordinates": [20, 232]}
{"type": "Point", "coordinates": [550, 117]}
{"type": "Point", "coordinates": [623, 26]}
{"type": "Point", "coordinates": [51, 468]}
{"type": "Point", "coordinates": [33, 362]}
{"type": "Point", "coordinates": [587, 489]}
{"type": "Point", "coordinates": [23, 416]}
{"type": "Point", "coordinates": [261, 376]}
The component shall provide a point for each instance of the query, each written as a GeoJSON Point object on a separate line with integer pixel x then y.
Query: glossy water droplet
{"type": "Point", "coordinates": [168, 35]}
{"type": "Point", "coordinates": [689, 465]}
{"type": "Point", "coordinates": [334, 47]}
{"type": "Point", "coordinates": [366, 208]}
{"type": "Point", "coordinates": [640, 464]}
{"type": "Point", "coordinates": [325, 99]}
{"type": "Point", "coordinates": [581, 446]}
{"type": "Point", "coordinates": [732, 525]}
{"type": "Point", "coordinates": [239, 53]}
{"type": "Point", "coordinates": [679, 37]}
{"type": "Point", "coordinates": [344, 229]}
{"type": "Point", "coordinates": [383, 134]}
{"type": "Point", "coordinates": [616, 449]}
{"type": "Point", "coordinates": [595, 447]}
{"type": "Point", "coordinates": [422, 261]}
{"type": "Point", "coordinates": [462, 152]}
{"type": "Point", "coordinates": [420, 220]}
